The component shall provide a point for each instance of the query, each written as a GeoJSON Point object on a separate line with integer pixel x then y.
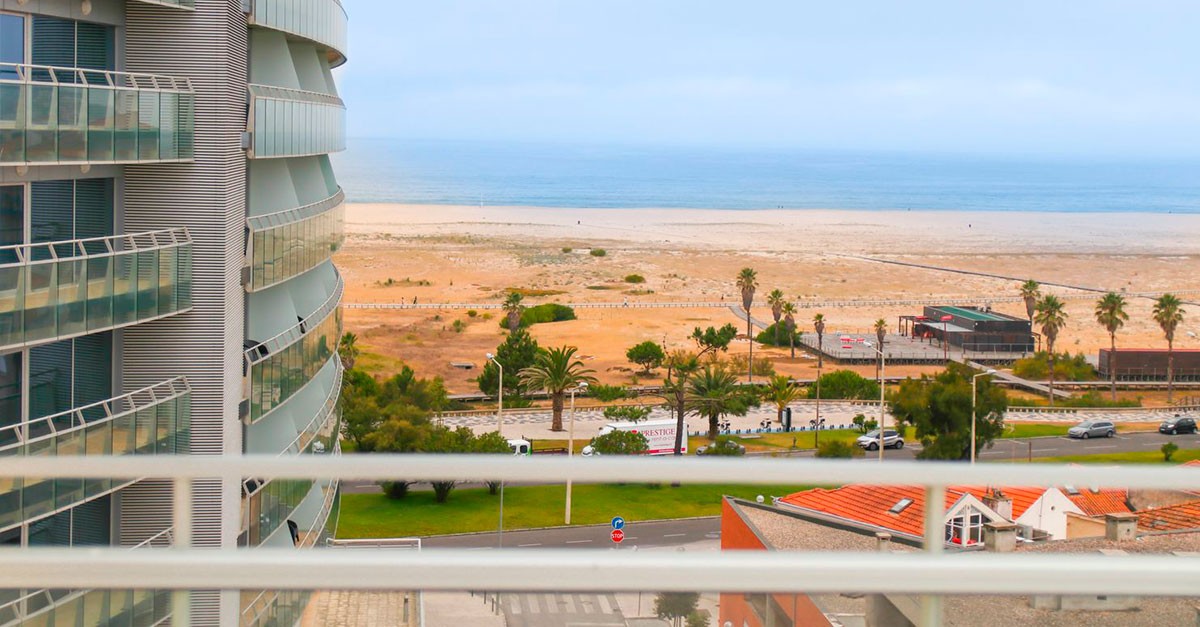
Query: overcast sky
{"type": "Point", "coordinates": [1047, 76]}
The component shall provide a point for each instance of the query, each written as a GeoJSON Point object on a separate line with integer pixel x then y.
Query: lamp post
{"type": "Point", "coordinates": [974, 396]}
{"type": "Point", "coordinates": [882, 366]}
{"type": "Point", "coordinates": [571, 445]}
{"type": "Point", "coordinates": [499, 397]}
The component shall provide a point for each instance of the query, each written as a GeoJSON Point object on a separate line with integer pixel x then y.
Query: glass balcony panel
{"type": "Point", "coordinates": [167, 425]}
{"type": "Point", "coordinates": [126, 130]}
{"type": "Point", "coordinates": [168, 271]}
{"type": "Point", "coordinates": [72, 296]}
{"type": "Point", "coordinates": [320, 21]}
{"type": "Point", "coordinates": [184, 277]}
{"type": "Point", "coordinates": [12, 305]}
{"type": "Point", "coordinates": [147, 431]}
{"type": "Point", "coordinates": [37, 497]}
{"type": "Point", "coordinates": [12, 123]}
{"type": "Point", "coordinates": [125, 279]}
{"type": "Point", "coordinates": [102, 118]}
{"type": "Point", "coordinates": [292, 242]}
{"type": "Point", "coordinates": [41, 138]}
{"type": "Point", "coordinates": [290, 122]}
{"type": "Point", "coordinates": [147, 295]}
{"type": "Point", "coordinates": [148, 121]}
{"type": "Point", "coordinates": [72, 123]}
{"type": "Point", "coordinates": [99, 293]}
{"type": "Point", "coordinates": [40, 305]}
{"type": "Point", "coordinates": [168, 146]}
{"type": "Point", "coordinates": [123, 432]}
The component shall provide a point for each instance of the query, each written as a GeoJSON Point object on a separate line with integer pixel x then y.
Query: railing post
{"type": "Point", "coordinates": [935, 502]}
{"type": "Point", "coordinates": [180, 599]}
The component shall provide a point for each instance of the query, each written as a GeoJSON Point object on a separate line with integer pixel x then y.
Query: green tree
{"type": "Point", "coordinates": [789, 322]}
{"type": "Point", "coordinates": [626, 413]}
{"type": "Point", "coordinates": [517, 352]}
{"type": "Point", "coordinates": [397, 435]}
{"type": "Point", "coordinates": [713, 393]}
{"type": "Point", "coordinates": [648, 355]}
{"type": "Point", "coordinates": [725, 447]}
{"type": "Point", "coordinates": [747, 283]}
{"type": "Point", "coordinates": [781, 392]}
{"type": "Point", "coordinates": [681, 366]}
{"type": "Point", "coordinates": [348, 350]}
{"type": "Point", "coordinates": [863, 424]}
{"type": "Point", "coordinates": [838, 449]}
{"type": "Point", "coordinates": [845, 384]}
{"type": "Point", "coordinates": [819, 328]}
{"type": "Point", "coordinates": [776, 300]}
{"type": "Point", "coordinates": [1168, 313]}
{"type": "Point", "coordinates": [1031, 293]}
{"type": "Point", "coordinates": [556, 370]}
{"type": "Point", "coordinates": [675, 605]}
{"type": "Point", "coordinates": [1051, 315]}
{"type": "Point", "coordinates": [513, 308]}
{"type": "Point", "coordinates": [713, 340]}
{"type": "Point", "coordinates": [618, 442]}
{"type": "Point", "coordinates": [698, 619]}
{"type": "Point", "coordinates": [1168, 450]}
{"type": "Point", "coordinates": [441, 439]}
{"type": "Point", "coordinates": [940, 409]}
{"type": "Point", "coordinates": [491, 443]}
{"type": "Point", "coordinates": [1110, 314]}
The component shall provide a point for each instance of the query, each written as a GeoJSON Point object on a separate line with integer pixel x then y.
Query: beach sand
{"type": "Point", "coordinates": [472, 255]}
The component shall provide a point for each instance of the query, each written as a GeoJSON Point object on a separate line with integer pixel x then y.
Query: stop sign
{"type": "Point", "coordinates": [617, 535]}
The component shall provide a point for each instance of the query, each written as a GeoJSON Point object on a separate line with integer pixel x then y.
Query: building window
{"type": "Point", "coordinates": [965, 529]}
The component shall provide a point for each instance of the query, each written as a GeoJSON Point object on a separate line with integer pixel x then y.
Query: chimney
{"type": "Point", "coordinates": [883, 541]}
{"type": "Point", "coordinates": [1120, 527]}
{"type": "Point", "coordinates": [1000, 537]}
{"type": "Point", "coordinates": [997, 502]}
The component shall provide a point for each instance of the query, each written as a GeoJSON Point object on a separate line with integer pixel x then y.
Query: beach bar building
{"type": "Point", "coordinates": [1150, 364]}
{"type": "Point", "coordinates": [977, 329]}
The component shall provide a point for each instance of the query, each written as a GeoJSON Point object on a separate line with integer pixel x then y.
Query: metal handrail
{"type": "Point", "coordinates": [82, 248]}
{"type": "Point", "coordinates": [273, 92]}
{"type": "Point", "coordinates": [297, 214]}
{"type": "Point", "coordinates": [113, 408]}
{"type": "Point", "coordinates": [108, 79]}
{"type": "Point", "coordinates": [270, 347]}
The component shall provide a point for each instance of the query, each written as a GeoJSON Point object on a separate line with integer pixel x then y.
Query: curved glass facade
{"type": "Point", "coordinates": [295, 123]}
{"type": "Point", "coordinates": [320, 21]}
{"type": "Point", "coordinates": [61, 289]}
{"type": "Point", "coordinates": [52, 115]}
{"type": "Point", "coordinates": [289, 243]}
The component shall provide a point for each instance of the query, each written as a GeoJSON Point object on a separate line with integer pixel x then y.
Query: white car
{"type": "Point", "coordinates": [870, 440]}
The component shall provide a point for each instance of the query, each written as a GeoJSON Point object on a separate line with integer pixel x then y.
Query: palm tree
{"type": "Point", "coordinates": [880, 334]}
{"type": "Point", "coordinates": [1110, 313]}
{"type": "Point", "coordinates": [1168, 313]}
{"type": "Point", "coordinates": [348, 349]}
{"type": "Point", "coordinates": [819, 327]}
{"type": "Point", "coordinates": [556, 370]}
{"type": "Point", "coordinates": [712, 393]}
{"type": "Point", "coordinates": [789, 322]}
{"type": "Point", "coordinates": [747, 282]}
{"type": "Point", "coordinates": [1031, 291]}
{"type": "Point", "coordinates": [681, 365]}
{"type": "Point", "coordinates": [513, 308]}
{"type": "Point", "coordinates": [781, 392]}
{"type": "Point", "coordinates": [1050, 314]}
{"type": "Point", "coordinates": [775, 300]}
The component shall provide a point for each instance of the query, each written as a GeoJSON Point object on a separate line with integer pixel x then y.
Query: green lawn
{"type": "Point", "coordinates": [1135, 457]}
{"type": "Point", "coordinates": [1029, 430]}
{"type": "Point", "coordinates": [473, 509]}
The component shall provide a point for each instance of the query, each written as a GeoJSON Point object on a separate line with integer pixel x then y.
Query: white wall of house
{"type": "Point", "coordinates": [1049, 513]}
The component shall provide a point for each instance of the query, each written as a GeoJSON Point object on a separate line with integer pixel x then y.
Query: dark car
{"type": "Point", "coordinates": [1177, 424]}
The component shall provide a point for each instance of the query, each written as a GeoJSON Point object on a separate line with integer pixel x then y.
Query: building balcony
{"type": "Point", "coordinates": [320, 21]}
{"type": "Point", "coordinates": [54, 115]}
{"type": "Point", "coordinates": [289, 243]}
{"type": "Point", "coordinates": [283, 365]}
{"type": "Point", "coordinates": [55, 290]}
{"type": "Point", "coordinates": [178, 4]}
{"type": "Point", "coordinates": [295, 123]}
{"type": "Point", "coordinates": [151, 421]}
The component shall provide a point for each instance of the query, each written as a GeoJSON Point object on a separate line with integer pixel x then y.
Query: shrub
{"type": "Point", "coordinates": [627, 413]}
{"type": "Point", "coordinates": [635, 278]}
{"type": "Point", "coordinates": [725, 447]}
{"type": "Point", "coordinates": [458, 326]}
{"type": "Point", "coordinates": [617, 442]}
{"type": "Point", "coordinates": [597, 252]}
{"type": "Point", "coordinates": [471, 313]}
{"type": "Point", "coordinates": [838, 449]}
{"type": "Point", "coordinates": [767, 337]}
{"type": "Point", "coordinates": [864, 424]}
{"type": "Point", "coordinates": [566, 249]}
{"type": "Point", "coordinates": [395, 489]}
{"type": "Point", "coordinates": [1091, 398]}
{"type": "Point", "coordinates": [762, 367]}
{"type": "Point", "coordinates": [548, 312]}
{"type": "Point", "coordinates": [607, 393]}
{"type": "Point", "coordinates": [1066, 367]}
{"type": "Point", "coordinates": [1168, 450]}
{"type": "Point", "coordinates": [846, 384]}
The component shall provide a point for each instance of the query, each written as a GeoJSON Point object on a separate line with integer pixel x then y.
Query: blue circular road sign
{"type": "Point", "coordinates": [618, 522]}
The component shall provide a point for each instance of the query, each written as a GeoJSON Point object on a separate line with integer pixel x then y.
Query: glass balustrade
{"type": "Point", "coordinates": [289, 243]}
{"type": "Point", "coordinates": [60, 289]}
{"type": "Point", "coordinates": [54, 115]}
{"type": "Point", "coordinates": [294, 123]}
{"type": "Point", "coordinates": [284, 364]}
{"type": "Point", "coordinates": [151, 421]}
{"type": "Point", "coordinates": [186, 4]}
{"type": "Point", "coordinates": [320, 21]}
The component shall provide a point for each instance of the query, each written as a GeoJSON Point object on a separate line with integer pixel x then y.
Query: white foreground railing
{"type": "Point", "coordinates": [927, 573]}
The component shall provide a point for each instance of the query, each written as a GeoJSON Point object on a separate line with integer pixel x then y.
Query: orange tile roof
{"type": "Point", "coordinates": [1104, 501]}
{"type": "Point", "coordinates": [1170, 518]}
{"type": "Point", "coordinates": [1194, 462]}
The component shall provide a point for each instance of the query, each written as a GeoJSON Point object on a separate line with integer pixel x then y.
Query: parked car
{"type": "Point", "coordinates": [1093, 429]}
{"type": "Point", "coordinates": [1177, 424]}
{"type": "Point", "coordinates": [734, 448]}
{"type": "Point", "coordinates": [870, 440]}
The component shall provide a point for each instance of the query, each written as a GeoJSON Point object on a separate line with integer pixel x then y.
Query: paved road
{"type": "Point", "coordinates": [1019, 448]}
{"type": "Point", "coordinates": [641, 535]}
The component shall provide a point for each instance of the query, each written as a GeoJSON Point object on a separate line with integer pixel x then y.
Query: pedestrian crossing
{"type": "Point", "coordinates": [560, 609]}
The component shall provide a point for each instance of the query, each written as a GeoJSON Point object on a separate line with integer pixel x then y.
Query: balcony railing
{"type": "Point", "coordinates": [56, 290]}
{"type": "Point", "coordinates": [282, 365]}
{"type": "Point", "coordinates": [930, 572]}
{"type": "Point", "coordinates": [289, 243]}
{"type": "Point", "coordinates": [54, 115]}
{"type": "Point", "coordinates": [295, 123]}
{"type": "Point", "coordinates": [151, 421]}
{"type": "Point", "coordinates": [179, 4]}
{"type": "Point", "coordinates": [320, 21]}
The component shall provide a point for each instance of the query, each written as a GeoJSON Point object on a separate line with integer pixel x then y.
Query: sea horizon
{"type": "Point", "coordinates": [609, 176]}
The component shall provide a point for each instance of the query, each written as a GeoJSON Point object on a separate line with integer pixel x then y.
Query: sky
{"type": "Point", "coordinates": [1103, 77]}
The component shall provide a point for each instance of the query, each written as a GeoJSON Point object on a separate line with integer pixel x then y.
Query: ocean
{"type": "Point", "coordinates": [610, 176]}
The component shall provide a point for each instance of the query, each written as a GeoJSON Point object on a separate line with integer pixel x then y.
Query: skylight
{"type": "Point", "coordinates": [901, 505]}
{"type": "Point", "coordinates": [1072, 490]}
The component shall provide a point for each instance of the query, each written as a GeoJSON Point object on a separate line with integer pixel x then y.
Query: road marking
{"type": "Point", "coordinates": [578, 541]}
{"type": "Point", "coordinates": [525, 545]}
{"type": "Point", "coordinates": [1109, 446]}
{"type": "Point", "coordinates": [674, 535]}
{"type": "Point", "coordinates": [631, 537]}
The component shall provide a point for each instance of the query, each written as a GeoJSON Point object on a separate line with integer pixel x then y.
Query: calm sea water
{"type": "Point", "coordinates": [564, 175]}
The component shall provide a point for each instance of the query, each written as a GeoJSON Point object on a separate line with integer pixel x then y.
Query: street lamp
{"type": "Point", "coordinates": [882, 366]}
{"type": "Point", "coordinates": [571, 444]}
{"type": "Point", "coordinates": [499, 397]}
{"type": "Point", "coordinates": [989, 371]}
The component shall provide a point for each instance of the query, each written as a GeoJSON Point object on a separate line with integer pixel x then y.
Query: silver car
{"type": "Point", "coordinates": [1093, 429]}
{"type": "Point", "coordinates": [870, 440]}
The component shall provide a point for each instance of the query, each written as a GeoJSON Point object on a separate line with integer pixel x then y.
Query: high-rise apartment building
{"type": "Point", "coordinates": [167, 218]}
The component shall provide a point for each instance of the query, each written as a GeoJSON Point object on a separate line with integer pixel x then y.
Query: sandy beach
{"type": "Point", "coordinates": [465, 254]}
